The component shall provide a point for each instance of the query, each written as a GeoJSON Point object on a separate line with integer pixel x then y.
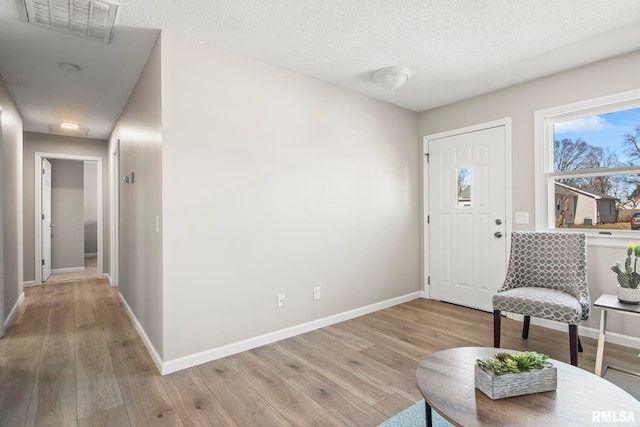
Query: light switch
{"type": "Point", "coordinates": [522, 217]}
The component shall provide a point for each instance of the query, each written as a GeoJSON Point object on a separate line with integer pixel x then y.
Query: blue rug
{"type": "Point", "coordinates": [414, 416]}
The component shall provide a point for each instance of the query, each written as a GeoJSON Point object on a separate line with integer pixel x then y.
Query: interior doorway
{"type": "Point", "coordinates": [41, 243]}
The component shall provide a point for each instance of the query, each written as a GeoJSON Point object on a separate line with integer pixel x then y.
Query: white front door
{"type": "Point", "coordinates": [46, 219]}
{"type": "Point", "coordinates": [467, 233]}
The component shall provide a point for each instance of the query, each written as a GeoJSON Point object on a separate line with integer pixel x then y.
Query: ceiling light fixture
{"type": "Point", "coordinates": [69, 126]}
{"type": "Point", "coordinates": [391, 77]}
{"type": "Point", "coordinates": [69, 129]}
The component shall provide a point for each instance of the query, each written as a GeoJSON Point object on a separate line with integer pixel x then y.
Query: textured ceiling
{"type": "Point", "coordinates": [456, 48]}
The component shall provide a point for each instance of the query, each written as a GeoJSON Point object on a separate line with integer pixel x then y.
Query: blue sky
{"type": "Point", "coordinates": [605, 130]}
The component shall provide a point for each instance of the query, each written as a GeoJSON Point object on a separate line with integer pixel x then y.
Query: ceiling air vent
{"type": "Point", "coordinates": [90, 18]}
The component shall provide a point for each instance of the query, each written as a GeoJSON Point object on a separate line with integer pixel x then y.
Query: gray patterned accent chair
{"type": "Point", "coordinates": [546, 278]}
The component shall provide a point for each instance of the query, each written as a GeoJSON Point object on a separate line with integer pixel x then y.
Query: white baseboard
{"type": "Point", "coordinates": [13, 311]}
{"type": "Point", "coordinates": [143, 335]}
{"type": "Point", "coordinates": [248, 344]}
{"type": "Point", "coordinates": [108, 278]}
{"type": "Point", "coordinates": [67, 270]}
{"type": "Point", "coordinates": [29, 284]}
{"type": "Point", "coordinates": [612, 337]}
{"type": "Point", "coordinates": [90, 255]}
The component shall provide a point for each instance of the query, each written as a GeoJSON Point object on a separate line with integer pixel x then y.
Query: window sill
{"type": "Point", "coordinates": [617, 238]}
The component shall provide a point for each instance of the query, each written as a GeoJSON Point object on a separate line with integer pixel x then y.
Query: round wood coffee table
{"type": "Point", "coordinates": [446, 380]}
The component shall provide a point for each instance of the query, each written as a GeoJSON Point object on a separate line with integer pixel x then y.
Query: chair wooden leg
{"type": "Point", "coordinates": [573, 344]}
{"type": "Point", "coordinates": [496, 328]}
{"type": "Point", "coordinates": [525, 327]}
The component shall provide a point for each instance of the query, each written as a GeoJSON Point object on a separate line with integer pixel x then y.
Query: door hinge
{"type": "Point", "coordinates": [427, 154]}
{"type": "Point", "coordinates": [43, 262]}
{"type": "Point", "coordinates": [42, 171]}
{"type": "Point", "coordinates": [42, 216]}
{"type": "Point", "coordinates": [428, 280]}
{"type": "Point", "coordinates": [428, 219]}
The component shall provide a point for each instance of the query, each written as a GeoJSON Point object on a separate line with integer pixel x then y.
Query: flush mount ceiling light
{"type": "Point", "coordinates": [391, 77]}
{"type": "Point", "coordinates": [90, 18]}
{"type": "Point", "coordinates": [66, 128]}
{"type": "Point", "coordinates": [69, 126]}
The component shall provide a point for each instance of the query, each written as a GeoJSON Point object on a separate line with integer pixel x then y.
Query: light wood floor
{"type": "Point", "coordinates": [71, 357]}
{"type": "Point", "coordinates": [90, 272]}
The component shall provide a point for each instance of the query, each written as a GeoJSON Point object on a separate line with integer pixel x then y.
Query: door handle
{"type": "Point", "coordinates": [52, 226]}
{"type": "Point", "coordinates": [497, 234]}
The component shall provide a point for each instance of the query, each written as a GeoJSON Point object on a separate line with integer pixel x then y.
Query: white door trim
{"type": "Point", "coordinates": [506, 122]}
{"type": "Point", "coordinates": [38, 208]}
{"type": "Point", "coordinates": [115, 207]}
{"type": "Point", "coordinates": [2, 319]}
{"type": "Point", "coordinates": [45, 220]}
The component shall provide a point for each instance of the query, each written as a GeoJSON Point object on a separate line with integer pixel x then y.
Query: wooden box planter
{"type": "Point", "coordinates": [510, 385]}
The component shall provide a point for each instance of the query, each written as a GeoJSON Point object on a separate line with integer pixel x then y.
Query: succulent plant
{"type": "Point", "coordinates": [513, 363]}
{"type": "Point", "coordinates": [628, 276]}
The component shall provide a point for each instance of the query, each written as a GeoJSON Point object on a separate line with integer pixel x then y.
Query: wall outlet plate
{"type": "Point", "coordinates": [316, 293]}
{"type": "Point", "coordinates": [522, 217]}
{"type": "Point", "coordinates": [280, 300]}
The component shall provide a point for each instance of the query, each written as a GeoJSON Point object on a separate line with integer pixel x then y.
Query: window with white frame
{"type": "Point", "coordinates": [588, 166]}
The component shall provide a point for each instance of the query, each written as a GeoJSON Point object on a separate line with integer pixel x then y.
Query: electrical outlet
{"type": "Point", "coordinates": [280, 300]}
{"type": "Point", "coordinates": [316, 293]}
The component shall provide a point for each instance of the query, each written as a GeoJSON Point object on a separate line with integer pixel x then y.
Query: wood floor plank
{"type": "Point", "coordinates": [59, 340]}
{"type": "Point", "coordinates": [366, 388]}
{"type": "Point", "coordinates": [17, 377]}
{"type": "Point", "coordinates": [146, 400]}
{"type": "Point", "coordinates": [114, 417]}
{"type": "Point", "coordinates": [96, 381]}
{"type": "Point", "coordinates": [394, 380]}
{"type": "Point", "coordinates": [53, 401]}
{"type": "Point", "coordinates": [115, 323]}
{"type": "Point", "coordinates": [195, 404]}
{"type": "Point", "coordinates": [296, 407]}
{"type": "Point", "coordinates": [84, 302]}
{"type": "Point", "coordinates": [26, 337]}
{"type": "Point", "coordinates": [335, 399]}
{"type": "Point", "coordinates": [393, 404]}
{"type": "Point", "coordinates": [243, 402]}
{"type": "Point", "coordinates": [288, 366]}
{"type": "Point", "coordinates": [410, 347]}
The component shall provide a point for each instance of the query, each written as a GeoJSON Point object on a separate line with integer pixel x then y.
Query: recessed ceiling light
{"type": "Point", "coordinates": [69, 126]}
{"type": "Point", "coordinates": [72, 68]}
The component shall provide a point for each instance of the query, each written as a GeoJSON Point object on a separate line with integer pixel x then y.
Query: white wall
{"type": "Point", "coordinates": [276, 183]}
{"type": "Point", "coordinates": [11, 184]}
{"type": "Point", "coordinates": [67, 208]}
{"type": "Point", "coordinates": [519, 102]}
{"type": "Point", "coordinates": [139, 130]}
{"type": "Point", "coordinates": [59, 144]}
{"type": "Point", "coordinates": [90, 208]}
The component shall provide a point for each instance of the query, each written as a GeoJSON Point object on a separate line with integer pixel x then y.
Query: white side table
{"type": "Point", "coordinates": [608, 302]}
